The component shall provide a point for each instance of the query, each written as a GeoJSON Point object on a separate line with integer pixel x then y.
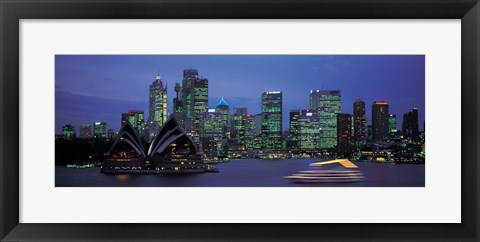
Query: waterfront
{"type": "Point", "coordinates": [246, 173]}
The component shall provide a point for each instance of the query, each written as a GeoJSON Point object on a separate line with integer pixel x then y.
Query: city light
{"type": "Point", "coordinates": [194, 130]}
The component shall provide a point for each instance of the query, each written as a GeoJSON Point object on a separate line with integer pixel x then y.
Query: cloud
{"type": "Point", "coordinates": [332, 65]}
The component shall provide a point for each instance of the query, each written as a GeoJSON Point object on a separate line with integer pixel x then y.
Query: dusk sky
{"type": "Point", "coordinates": [91, 88]}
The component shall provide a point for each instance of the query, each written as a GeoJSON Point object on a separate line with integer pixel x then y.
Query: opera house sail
{"type": "Point", "coordinates": [172, 151]}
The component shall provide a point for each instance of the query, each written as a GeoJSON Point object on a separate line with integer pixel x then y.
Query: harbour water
{"type": "Point", "coordinates": [246, 173]}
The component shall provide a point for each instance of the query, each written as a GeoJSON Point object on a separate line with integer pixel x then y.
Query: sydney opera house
{"type": "Point", "coordinates": [171, 151]}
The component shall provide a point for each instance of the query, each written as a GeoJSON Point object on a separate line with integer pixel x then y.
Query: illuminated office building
{"type": "Point", "coordinates": [327, 103]}
{"type": "Point", "coordinates": [223, 108]}
{"type": "Point", "coordinates": [200, 105]}
{"type": "Point", "coordinates": [272, 120]}
{"type": "Point", "coordinates": [239, 125]}
{"type": "Point", "coordinates": [100, 130]}
{"type": "Point", "coordinates": [359, 120]}
{"type": "Point", "coordinates": [189, 76]}
{"type": "Point", "coordinates": [85, 131]}
{"type": "Point", "coordinates": [293, 129]}
{"type": "Point", "coordinates": [249, 132]}
{"type": "Point", "coordinates": [380, 117]}
{"type": "Point", "coordinates": [212, 133]}
{"type": "Point", "coordinates": [194, 100]}
{"type": "Point", "coordinates": [344, 131]}
{"type": "Point", "coordinates": [308, 137]}
{"type": "Point", "coordinates": [392, 123]}
{"type": "Point", "coordinates": [158, 102]}
{"type": "Point", "coordinates": [410, 125]}
{"type": "Point", "coordinates": [257, 123]}
{"type": "Point", "coordinates": [136, 119]}
{"type": "Point", "coordinates": [68, 131]}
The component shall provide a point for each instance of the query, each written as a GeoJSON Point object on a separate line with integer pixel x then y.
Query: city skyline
{"type": "Point", "coordinates": [83, 97]}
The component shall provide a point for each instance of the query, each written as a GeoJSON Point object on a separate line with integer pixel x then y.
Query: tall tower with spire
{"type": "Point", "coordinates": [177, 102]}
{"type": "Point", "coordinates": [158, 102]}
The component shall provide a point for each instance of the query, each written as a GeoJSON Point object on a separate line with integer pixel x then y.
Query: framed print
{"type": "Point", "coordinates": [239, 120]}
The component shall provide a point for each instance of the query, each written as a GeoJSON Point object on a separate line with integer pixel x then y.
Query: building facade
{"type": "Point", "coordinates": [410, 125]}
{"type": "Point", "coordinates": [100, 130]}
{"type": "Point", "coordinates": [380, 117]}
{"type": "Point", "coordinates": [359, 121]}
{"type": "Point", "coordinates": [85, 131]}
{"type": "Point", "coordinates": [292, 143]}
{"type": "Point", "coordinates": [272, 120]}
{"type": "Point", "coordinates": [68, 131]}
{"type": "Point", "coordinates": [344, 131]}
{"type": "Point", "coordinates": [327, 103]}
{"type": "Point", "coordinates": [194, 100]}
{"type": "Point", "coordinates": [308, 137]}
{"type": "Point", "coordinates": [239, 126]}
{"type": "Point", "coordinates": [212, 133]}
{"type": "Point", "coordinates": [136, 118]}
{"type": "Point", "coordinates": [158, 102]}
{"type": "Point", "coordinates": [224, 109]}
{"type": "Point", "coordinates": [392, 123]}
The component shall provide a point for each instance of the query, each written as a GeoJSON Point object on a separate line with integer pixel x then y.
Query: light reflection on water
{"type": "Point", "coordinates": [246, 173]}
{"type": "Point", "coordinates": [123, 177]}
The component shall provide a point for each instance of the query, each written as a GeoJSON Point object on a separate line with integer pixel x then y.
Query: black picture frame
{"type": "Point", "coordinates": [12, 11]}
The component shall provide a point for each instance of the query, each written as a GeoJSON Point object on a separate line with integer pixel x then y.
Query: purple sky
{"type": "Point", "coordinates": [91, 88]}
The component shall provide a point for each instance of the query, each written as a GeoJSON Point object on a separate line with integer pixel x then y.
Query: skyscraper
{"type": "Point", "coordinates": [200, 102]}
{"type": "Point", "coordinates": [194, 100]}
{"type": "Point", "coordinates": [380, 116]}
{"type": "Point", "coordinates": [158, 102]}
{"type": "Point", "coordinates": [308, 130]}
{"type": "Point", "coordinates": [212, 133]}
{"type": "Point", "coordinates": [293, 129]}
{"type": "Point", "coordinates": [359, 120]}
{"type": "Point", "coordinates": [100, 130]}
{"type": "Point", "coordinates": [68, 131]}
{"type": "Point", "coordinates": [189, 76]}
{"type": "Point", "coordinates": [344, 131]}
{"type": "Point", "coordinates": [410, 125]}
{"type": "Point", "coordinates": [136, 119]}
{"type": "Point", "coordinates": [272, 120]}
{"type": "Point", "coordinates": [392, 123]}
{"type": "Point", "coordinates": [85, 131]}
{"type": "Point", "coordinates": [249, 131]}
{"type": "Point", "coordinates": [239, 126]}
{"type": "Point", "coordinates": [328, 105]}
{"type": "Point", "coordinates": [223, 108]}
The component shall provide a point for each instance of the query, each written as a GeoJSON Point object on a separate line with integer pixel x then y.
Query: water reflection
{"type": "Point", "coordinates": [123, 177]}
